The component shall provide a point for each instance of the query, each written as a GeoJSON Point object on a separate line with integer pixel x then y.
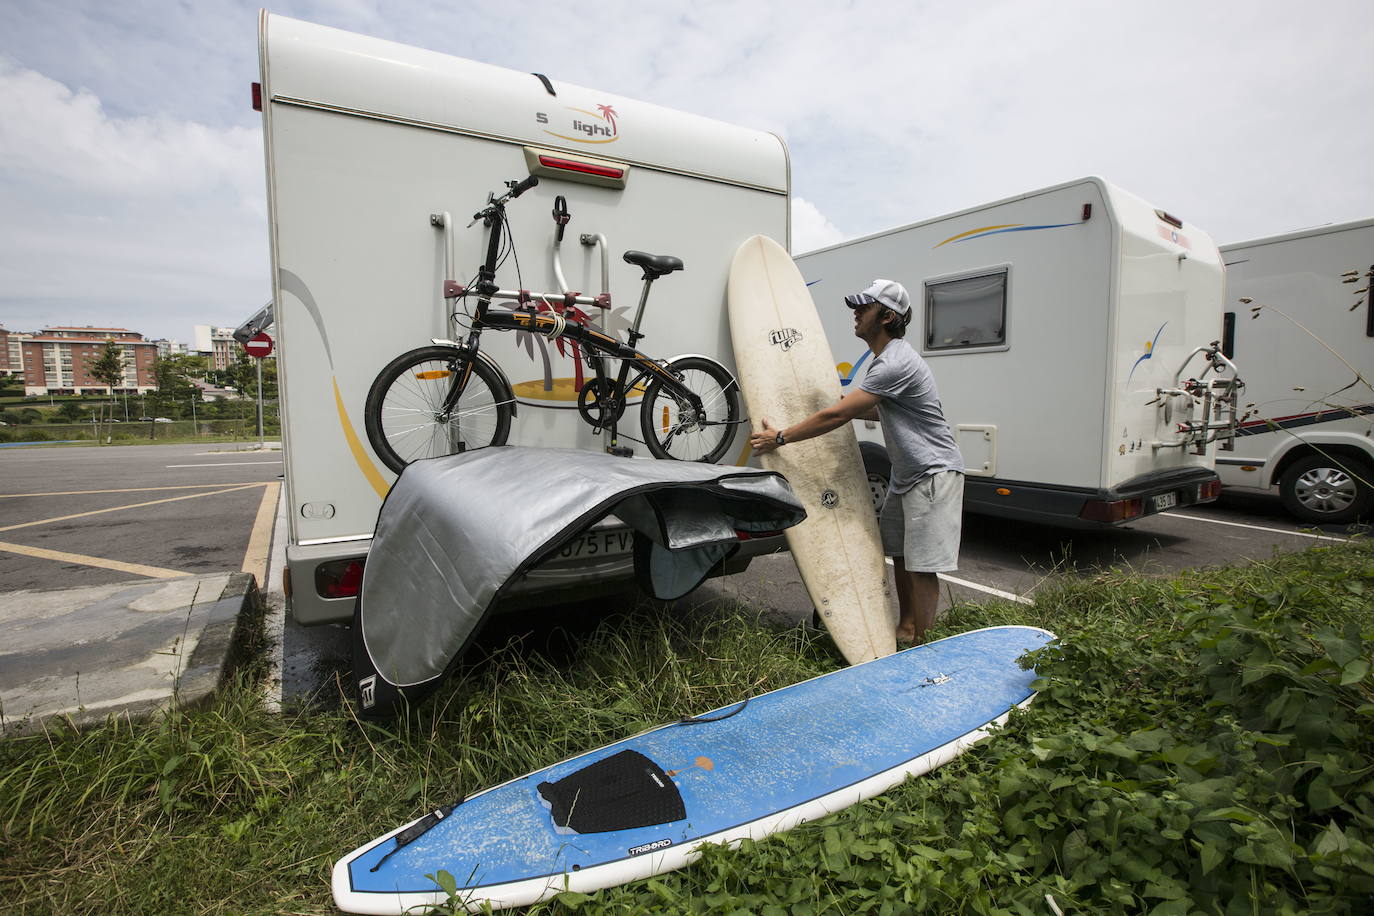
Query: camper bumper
{"type": "Point", "coordinates": [323, 580]}
{"type": "Point", "coordinates": [1082, 507]}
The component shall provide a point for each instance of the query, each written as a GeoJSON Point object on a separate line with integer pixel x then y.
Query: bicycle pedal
{"type": "Point", "coordinates": [620, 451]}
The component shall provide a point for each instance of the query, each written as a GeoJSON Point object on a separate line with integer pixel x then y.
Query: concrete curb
{"type": "Point", "coordinates": [85, 655]}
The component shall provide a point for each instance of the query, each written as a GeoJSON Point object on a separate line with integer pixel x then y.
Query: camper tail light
{"type": "Point", "coordinates": [339, 578]}
{"type": "Point", "coordinates": [586, 168]}
{"type": "Point", "coordinates": [603, 173]}
{"type": "Point", "coordinates": [1110, 511]}
{"type": "Point", "coordinates": [1209, 491]}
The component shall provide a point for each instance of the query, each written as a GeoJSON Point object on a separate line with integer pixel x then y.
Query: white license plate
{"type": "Point", "coordinates": [598, 544]}
{"type": "Point", "coordinates": [1165, 501]}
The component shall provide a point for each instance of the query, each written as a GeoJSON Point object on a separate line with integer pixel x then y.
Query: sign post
{"type": "Point", "coordinates": [259, 346]}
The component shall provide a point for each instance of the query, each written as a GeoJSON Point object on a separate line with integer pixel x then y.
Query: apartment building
{"type": "Point", "coordinates": [58, 360]}
{"type": "Point", "coordinates": [216, 343]}
{"type": "Point", "coordinates": [11, 352]}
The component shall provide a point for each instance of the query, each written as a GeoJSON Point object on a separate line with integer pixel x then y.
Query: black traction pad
{"type": "Point", "coordinates": [624, 791]}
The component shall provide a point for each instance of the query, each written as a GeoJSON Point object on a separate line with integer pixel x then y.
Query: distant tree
{"type": "Point", "coordinates": [242, 373]}
{"type": "Point", "coordinates": [172, 374]}
{"type": "Point", "coordinates": [71, 412]}
{"type": "Point", "coordinates": [108, 367]}
{"type": "Point", "coordinates": [11, 386]}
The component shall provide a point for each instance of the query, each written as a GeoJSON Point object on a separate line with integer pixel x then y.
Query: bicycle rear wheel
{"type": "Point", "coordinates": [674, 427]}
{"type": "Point", "coordinates": [405, 415]}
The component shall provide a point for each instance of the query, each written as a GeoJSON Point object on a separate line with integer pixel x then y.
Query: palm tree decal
{"type": "Point", "coordinates": [608, 115]}
{"type": "Point", "coordinates": [614, 321]}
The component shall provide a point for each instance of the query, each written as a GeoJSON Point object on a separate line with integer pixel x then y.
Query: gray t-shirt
{"type": "Point", "coordinates": [918, 437]}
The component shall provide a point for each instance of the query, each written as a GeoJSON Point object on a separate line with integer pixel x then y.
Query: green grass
{"type": "Point", "coordinates": [1202, 744]}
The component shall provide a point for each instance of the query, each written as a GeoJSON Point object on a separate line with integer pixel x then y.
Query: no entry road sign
{"type": "Point", "coordinates": [259, 345]}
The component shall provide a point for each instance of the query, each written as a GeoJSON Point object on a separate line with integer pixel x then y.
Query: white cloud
{"type": "Point", "coordinates": [52, 135]}
{"type": "Point", "coordinates": [151, 222]}
{"type": "Point", "coordinates": [810, 228]}
{"type": "Point", "coordinates": [131, 166]}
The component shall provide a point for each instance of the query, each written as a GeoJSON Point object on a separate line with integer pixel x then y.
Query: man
{"type": "Point", "coordinates": [921, 516]}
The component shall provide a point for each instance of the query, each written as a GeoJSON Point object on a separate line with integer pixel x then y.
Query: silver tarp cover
{"type": "Point", "coordinates": [455, 530]}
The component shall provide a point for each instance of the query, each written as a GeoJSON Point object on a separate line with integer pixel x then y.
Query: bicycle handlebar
{"type": "Point", "coordinates": [521, 187]}
{"type": "Point", "coordinates": [495, 203]}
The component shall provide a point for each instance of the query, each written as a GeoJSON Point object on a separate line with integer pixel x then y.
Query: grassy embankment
{"type": "Point", "coordinates": [34, 420]}
{"type": "Point", "coordinates": [1202, 744]}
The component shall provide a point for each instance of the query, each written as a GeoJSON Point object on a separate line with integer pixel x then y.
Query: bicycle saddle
{"type": "Point", "coordinates": [655, 265]}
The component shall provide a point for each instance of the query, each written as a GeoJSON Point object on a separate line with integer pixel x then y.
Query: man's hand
{"type": "Point", "coordinates": [764, 441]}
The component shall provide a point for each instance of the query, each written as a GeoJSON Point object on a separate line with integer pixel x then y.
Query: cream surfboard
{"type": "Point", "coordinates": [786, 372]}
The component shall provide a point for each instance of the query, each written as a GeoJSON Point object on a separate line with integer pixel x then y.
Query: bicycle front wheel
{"type": "Point", "coordinates": [406, 416]}
{"type": "Point", "coordinates": [678, 426]}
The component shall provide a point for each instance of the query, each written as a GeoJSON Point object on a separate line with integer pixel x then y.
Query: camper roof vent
{"type": "Point", "coordinates": [1171, 220]}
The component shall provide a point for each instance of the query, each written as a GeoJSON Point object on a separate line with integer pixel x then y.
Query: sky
{"type": "Point", "coordinates": [132, 190]}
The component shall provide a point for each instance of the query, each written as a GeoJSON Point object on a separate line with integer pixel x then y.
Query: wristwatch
{"type": "Point", "coordinates": [779, 439]}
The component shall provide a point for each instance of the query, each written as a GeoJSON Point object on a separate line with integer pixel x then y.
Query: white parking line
{"type": "Point", "coordinates": [227, 464]}
{"type": "Point", "coordinates": [987, 589]}
{"type": "Point", "coordinates": [1019, 599]}
{"type": "Point", "coordinates": [1217, 521]}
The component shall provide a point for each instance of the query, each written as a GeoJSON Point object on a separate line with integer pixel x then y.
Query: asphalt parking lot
{"type": "Point", "coordinates": [95, 516]}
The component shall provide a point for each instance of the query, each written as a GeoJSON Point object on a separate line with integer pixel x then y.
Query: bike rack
{"type": "Point", "coordinates": [1218, 398]}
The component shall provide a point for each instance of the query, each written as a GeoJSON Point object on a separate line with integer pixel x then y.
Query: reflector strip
{"type": "Point", "coordinates": [433, 374]}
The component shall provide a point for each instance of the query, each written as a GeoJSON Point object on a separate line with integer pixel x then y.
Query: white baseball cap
{"type": "Point", "coordinates": [887, 293]}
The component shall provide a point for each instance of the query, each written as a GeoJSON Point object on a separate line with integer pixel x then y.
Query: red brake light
{"type": "Point", "coordinates": [339, 578]}
{"type": "Point", "coordinates": [1109, 511]}
{"type": "Point", "coordinates": [1209, 491]}
{"type": "Point", "coordinates": [257, 96]}
{"type": "Point", "coordinates": [585, 168]}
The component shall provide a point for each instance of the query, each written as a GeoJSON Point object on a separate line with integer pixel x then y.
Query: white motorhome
{"type": "Point", "coordinates": [367, 144]}
{"type": "Point", "coordinates": [1299, 320]}
{"type": "Point", "coordinates": [1069, 330]}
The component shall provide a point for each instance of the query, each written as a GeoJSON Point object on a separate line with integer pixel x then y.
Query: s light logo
{"type": "Point", "coordinates": [582, 126]}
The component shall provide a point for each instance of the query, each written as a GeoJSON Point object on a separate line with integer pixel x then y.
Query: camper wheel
{"type": "Point", "coordinates": [878, 469]}
{"type": "Point", "coordinates": [1327, 490]}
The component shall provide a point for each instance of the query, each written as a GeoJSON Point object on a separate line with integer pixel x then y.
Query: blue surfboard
{"type": "Point", "coordinates": [643, 806]}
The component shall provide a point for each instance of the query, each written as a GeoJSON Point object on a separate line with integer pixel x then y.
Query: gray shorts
{"type": "Point", "coordinates": [923, 524]}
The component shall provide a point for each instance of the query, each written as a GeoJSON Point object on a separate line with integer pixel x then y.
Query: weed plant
{"type": "Point", "coordinates": [1200, 745]}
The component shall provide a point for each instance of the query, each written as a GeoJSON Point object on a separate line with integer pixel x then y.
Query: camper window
{"type": "Point", "coordinates": [968, 312]}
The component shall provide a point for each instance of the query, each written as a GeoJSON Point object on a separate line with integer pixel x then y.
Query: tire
{"type": "Point", "coordinates": [403, 411]}
{"type": "Point", "coordinates": [878, 470]}
{"type": "Point", "coordinates": [671, 430]}
{"type": "Point", "coordinates": [1327, 490]}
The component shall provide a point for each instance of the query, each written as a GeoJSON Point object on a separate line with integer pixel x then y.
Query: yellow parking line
{"type": "Point", "coordinates": [260, 541]}
{"type": "Point", "coordinates": [191, 486]}
{"type": "Point", "coordinates": [61, 557]}
{"type": "Point", "coordinates": [154, 502]}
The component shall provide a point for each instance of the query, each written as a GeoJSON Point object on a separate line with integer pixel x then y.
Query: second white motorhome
{"type": "Point", "coordinates": [1299, 320]}
{"type": "Point", "coordinates": [1070, 332]}
{"type": "Point", "coordinates": [368, 145]}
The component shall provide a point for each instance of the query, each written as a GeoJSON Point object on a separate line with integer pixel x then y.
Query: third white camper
{"type": "Point", "coordinates": [1072, 333]}
{"type": "Point", "coordinates": [1298, 319]}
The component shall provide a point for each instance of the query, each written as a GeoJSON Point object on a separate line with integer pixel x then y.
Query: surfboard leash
{"type": "Point", "coordinates": [700, 720]}
{"type": "Point", "coordinates": [417, 830]}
